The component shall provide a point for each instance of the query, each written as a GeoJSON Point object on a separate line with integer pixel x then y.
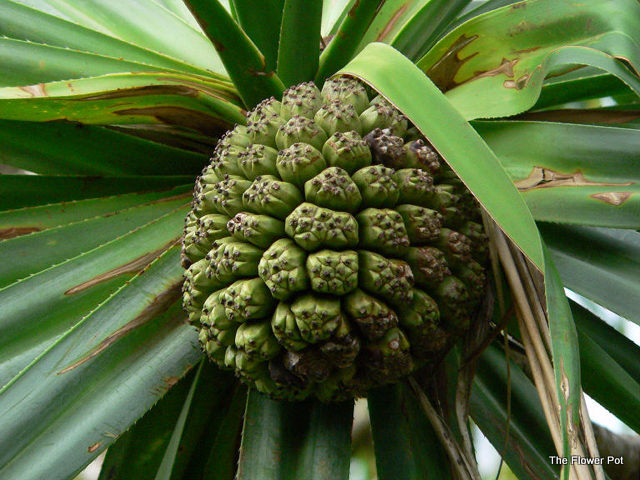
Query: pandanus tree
{"type": "Point", "coordinates": [223, 221]}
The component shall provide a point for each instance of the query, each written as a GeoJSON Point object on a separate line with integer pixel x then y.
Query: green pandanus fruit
{"type": "Point", "coordinates": [330, 250]}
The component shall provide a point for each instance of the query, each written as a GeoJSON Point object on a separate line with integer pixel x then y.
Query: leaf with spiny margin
{"type": "Point", "coordinates": [603, 206]}
{"type": "Point", "coordinates": [494, 64]}
{"type": "Point", "coordinates": [30, 254]}
{"type": "Point", "coordinates": [565, 355]}
{"type": "Point", "coordinates": [34, 219]}
{"type": "Point", "coordinates": [139, 450]}
{"type": "Point", "coordinates": [104, 373]}
{"type": "Point", "coordinates": [40, 308]}
{"type": "Point", "coordinates": [603, 154]}
{"type": "Point", "coordinates": [194, 426]}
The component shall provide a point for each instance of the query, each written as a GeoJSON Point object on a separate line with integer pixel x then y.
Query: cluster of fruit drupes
{"type": "Point", "coordinates": [330, 249]}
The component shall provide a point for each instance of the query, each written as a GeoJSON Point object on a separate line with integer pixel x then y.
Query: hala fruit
{"type": "Point", "coordinates": [329, 250]}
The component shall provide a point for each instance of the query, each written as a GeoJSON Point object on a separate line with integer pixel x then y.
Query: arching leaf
{"type": "Point", "coordinates": [494, 64]}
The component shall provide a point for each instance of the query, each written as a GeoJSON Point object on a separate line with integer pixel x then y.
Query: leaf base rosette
{"type": "Point", "coordinates": [329, 250]}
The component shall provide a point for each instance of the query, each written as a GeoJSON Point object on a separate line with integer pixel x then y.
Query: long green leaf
{"type": "Point", "coordinates": [27, 63]}
{"type": "Point", "coordinates": [590, 170]}
{"type": "Point", "coordinates": [58, 9]}
{"type": "Point", "coordinates": [215, 88]}
{"type": "Point", "coordinates": [104, 374]}
{"type": "Point", "coordinates": [137, 451]}
{"type": "Point", "coordinates": [299, 41]}
{"type": "Point", "coordinates": [283, 440]}
{"type": "Point", "coordinates": [605, 206]}
{"type": "Point", "coordinates": [161, 31]}
{"type": "Point", "coordinates": [579, 86]}
{"type": "Point", "coordinates": [345, 42]}
{"type": "Point", "coordinates": [426, 26]}
{"type": "Point", "coordinates": [178, 8]}
{"type": "Point", "coordinates": [22, 221]}
{"type": "Point", "coordinates": [221, 440]}
{"type": "Point", "coordinates": [261, 21]}
{"type": "Point", "coordinates": [38, 309]}
{"type": "Point", "coordinates": [527, 445]}
{"type": "Point", "coordinates": [333, 12]}
{"type": "Point", "coordinates": [66, 148]}
{"type": "Point", "coordinates": [44, 6]}
{"type": "Point", "coordinates": [30, 254]}
{"type": "Point", "coordinates": [453, 138]}
{"type": "Point", "coordinates": [24, 23]}
{"type": "Point", "coordinates": [171, 136]}
{"type": "Point", "coordinates": [389, 20]}
{"type": "Point", "coordinates": [203, 414]}
{"type": "Point", "coordinates": [621, 349]}
{"type": "Point", "coordinates": [29, 190]}
{"type": "Point", "coordinates": [405, 444]}
{"type": "Point", "coordinates": [565, 354]}
{"type": "Point", "coordinates": [494, 64]}
{"type": "Point", "coordinates": [599, 264]}
{"type": "Point", "coordinates": [625, 115]}
{"type": "Point", "coordinates": [173, 438]}
{"type": "Point", "coordinates": [242, 59]}
{"type": "Point", "coordinates": [612, 387]}
{"type": "Point", "coordinates": [601, 154]}
{"type": "Point", "coordinates": [125, 99]}
{"type": "Point", "coordinates": [456, 141]}
{"type": "Point", "coordinates": [476, 8]}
